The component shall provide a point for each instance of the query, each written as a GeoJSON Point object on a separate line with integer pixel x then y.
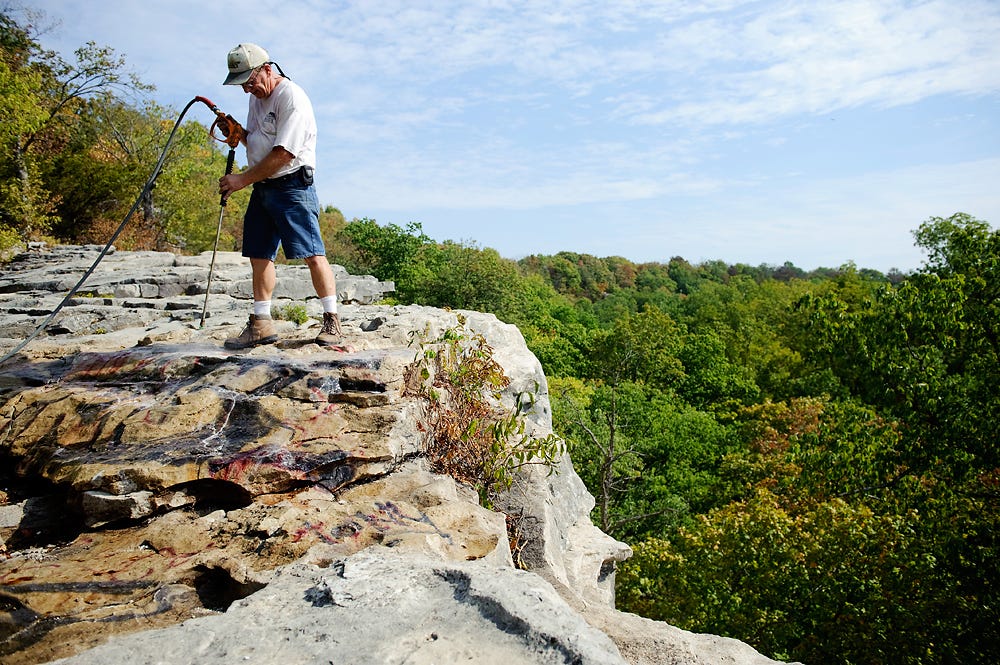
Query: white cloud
{"type": "Point", "coordinates": [818, 57]}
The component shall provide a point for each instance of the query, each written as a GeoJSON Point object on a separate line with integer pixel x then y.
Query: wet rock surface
{"type": "Point", "coordinates": [152, 479]}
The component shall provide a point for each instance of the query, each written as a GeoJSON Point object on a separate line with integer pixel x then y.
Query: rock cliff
{"type": "Point", "coordinates": [168, 501]}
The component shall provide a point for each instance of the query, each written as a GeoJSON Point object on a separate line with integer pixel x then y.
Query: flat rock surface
{"type": "Point", "coordinates": [380, 606]}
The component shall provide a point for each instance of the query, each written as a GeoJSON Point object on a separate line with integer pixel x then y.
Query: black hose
{"type": "Point", "coordinates": [121, 227]}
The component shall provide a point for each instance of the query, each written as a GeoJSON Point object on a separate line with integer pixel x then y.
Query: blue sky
{"type": "Point", "coordinates": [819, 133]}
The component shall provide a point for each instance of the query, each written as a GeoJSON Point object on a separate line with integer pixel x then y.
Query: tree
{"type": "Point", "coordinates": [683, 274]}
{"type": "Point", "coordinates": [97, 72]}
{"type": "Point", "coordinates": [927, 351]}
{"type": "Point", "coordinates": [759, 329]}
{"type": "Point", "coordinates": [106, 163]}
{"type": "Point", "coordinates": [642, 347]}
{"type": "Point", "coordinates": [622, 270]}
{"type": "Point", "coordinates": [556, 331]}
{"type": "Point", "coordinates": [45, 96]}
{"type": "Point", "coordinates": [388, 252]}
{"type": "Point", "coordinates": [830, 583]}
{"type": "Point", "coordinates": [646, 454]}
{"type": "Point", "coordinates": [331, 226]}
{"type": "Point", "coordinates": [710, 380]}
{"type": "Point", "coordinates": [817, 550]}
{"type": "Point", "coordinates": [596, 421]}
{"type": "Point", "coordinates": [849, 521]}
{"type": "Point", "coordinates": [21, 114]}
{"type": "Point", "coordinates": [651, 277]}
{"type": "Point", "coordinates": [564, 275]}
{"type": "Point", "coordinates": [463, 276]}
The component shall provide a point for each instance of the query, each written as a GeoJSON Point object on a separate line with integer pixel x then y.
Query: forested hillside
{"type": "Point", "coordinates": [806, 461]}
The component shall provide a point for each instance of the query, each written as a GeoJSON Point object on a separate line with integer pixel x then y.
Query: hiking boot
{"type": "Point", "coordinates": [331, 334]}
{"type": "Point", "coordinates": [259, 330]}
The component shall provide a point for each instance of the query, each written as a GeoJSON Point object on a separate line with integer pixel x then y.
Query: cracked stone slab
{"type": "Point", "coordinates": [378, 606]}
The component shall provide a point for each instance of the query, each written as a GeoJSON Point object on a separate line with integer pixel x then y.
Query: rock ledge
{"type": "Point", "coordinates": [177, 502]}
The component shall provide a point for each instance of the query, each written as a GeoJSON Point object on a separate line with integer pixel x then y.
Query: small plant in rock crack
{"type": "Point", "coordinates": [295, 312]}
{"type": "Point", "coordinates": [471, 435]}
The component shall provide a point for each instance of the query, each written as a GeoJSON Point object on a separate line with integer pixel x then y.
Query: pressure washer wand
{"type": "Point", "coordinates": [232, 135]}
{"type": "Point", "coordinates": [218, 232]}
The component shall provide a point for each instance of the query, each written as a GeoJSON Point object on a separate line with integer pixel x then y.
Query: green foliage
{"type": "Point", "coordinates": [760, 333]}
{"type": "Point", "coordinates": [580, 275]}
{"type": "Point", "coordinates": [106, 162]}
{"type": "Point", "coordinates": [653, 278]}
{"type": "Point", "coordinates": [75, 151]}
{"type": "Point", "coordinates": [447, 274]}
{"type": "Point", "coordinates": [180, 214]}
{"type": "Point", "coordinates": [388, 252]}
{"type": "Point", "coordinates": [27, 210]}
{"type": "Point", "coordinates": [20, 104]}
{"type": "Point", "coordinates": [835, 579]}
{"type": "Point", "coordinates": [833, 479]}
{"type": "Point", "coordinates": [831, 583]}
{"type": "Point", "coordinates": [827, 541]}
{"type": "Point", "coordinates": [927, 352]}
{"type": "Point", "coordinates": [23, 202]}
{"type": "Point", "coordinates": [643, 347]}
{"type": "Point", "coordinates": [331, 227]}
{"type": "Point", "coordinates": [464, 276]}
{"type": "Point", "coordinates": [187, 204]}
{"type": "Point", "coordinates": [471, 435]}
{"type": "Point", "coordinates": [555, 330]}
{"type": "Point", "coordinates": [648, 458]}
{"type": "Point", "coordinates": [294, 312]}
{"type": "Point", "coordinates": [9, 242]}
{"type": "Point", "coordinates": [710, 380]}
{"type": "Point", "coordinates": [684, 275]}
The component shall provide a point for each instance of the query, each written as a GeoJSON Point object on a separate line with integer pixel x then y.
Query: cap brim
{"type": "Point", "coordinates": [238, 78]}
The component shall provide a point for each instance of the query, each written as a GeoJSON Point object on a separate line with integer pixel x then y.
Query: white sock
{"type": "Point", "coordinates": [262, 308]}
{"type": "Point", "coordinates": [329, 304]}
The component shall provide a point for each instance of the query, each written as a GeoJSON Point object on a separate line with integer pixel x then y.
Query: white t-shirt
{"type": "Point", "coordinates": [284, 118]}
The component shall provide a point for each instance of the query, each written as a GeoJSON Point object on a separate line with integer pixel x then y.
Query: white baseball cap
{"type": "Point", "coordinates": [242, 61]}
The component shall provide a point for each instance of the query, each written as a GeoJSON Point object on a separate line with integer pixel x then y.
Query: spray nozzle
{"type": "Point", "coordinates": [231, 130]}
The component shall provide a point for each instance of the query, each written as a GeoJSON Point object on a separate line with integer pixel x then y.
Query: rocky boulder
{"type": "Point", "coordinates": [167, 500]}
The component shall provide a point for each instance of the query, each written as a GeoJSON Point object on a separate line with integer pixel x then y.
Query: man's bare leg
{"type": "Point", "coordinates": [326, 288]}
{"type": "Point", "coordinates": [322, 276]}
{"type": "Point", "coordinates": [259, 329]}
{"type": "Point", "coordinates": [264, 279]}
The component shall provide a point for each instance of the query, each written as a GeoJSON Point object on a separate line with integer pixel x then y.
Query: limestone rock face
{"type": "Point", "coordinates": [167, 500]}
{"type": "Point", "coordinates": [380, 606]}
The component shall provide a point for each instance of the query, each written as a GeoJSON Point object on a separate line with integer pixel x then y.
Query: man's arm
{"type": "Point", "coordinates": [275, 160]}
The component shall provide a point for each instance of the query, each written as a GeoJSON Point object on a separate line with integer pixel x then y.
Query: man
{"type": "Point", "coordinates": [284, 209]}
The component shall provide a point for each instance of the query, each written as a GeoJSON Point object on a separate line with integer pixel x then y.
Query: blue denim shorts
{"type": "Point", "coordinates": [283, 213]}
